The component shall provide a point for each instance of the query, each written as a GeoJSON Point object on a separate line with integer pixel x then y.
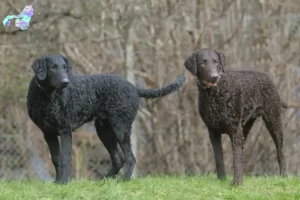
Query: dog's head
{"type": "Point", "coordinates": [53, 69]}
{"type": "Point", "coordinates": [207, 65]}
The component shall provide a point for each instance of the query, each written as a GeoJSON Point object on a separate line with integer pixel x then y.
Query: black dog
{"type": "Point", "coordinates": [59, 102]}
{"type": "Point", "coordinates": [230, 103]}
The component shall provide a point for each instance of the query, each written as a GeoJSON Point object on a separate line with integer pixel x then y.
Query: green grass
{"type": "Point", "coordinates": [154, 188]}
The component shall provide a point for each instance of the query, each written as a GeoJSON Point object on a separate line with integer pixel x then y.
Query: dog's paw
{"type": "Point", "coordinates": [62, 182]}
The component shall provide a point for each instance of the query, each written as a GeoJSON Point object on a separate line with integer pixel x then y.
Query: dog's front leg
{"type": "Point", "coordinates": [54, 148]}
{"type": "Point", "coordinates": [66, 155]}
{"type": "Point", "coordinates": [215, 139]}
{"type": "Point", "coordinates": [237, 141]}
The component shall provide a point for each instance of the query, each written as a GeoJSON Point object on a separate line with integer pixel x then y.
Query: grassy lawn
{"type": "Point", "coordinates": [155, 187]}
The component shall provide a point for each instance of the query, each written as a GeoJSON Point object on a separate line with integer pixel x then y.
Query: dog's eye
{"type": "Point", "coordinates": [65, 67]}
{"type": "Point", "coordinates": [53, 66]}
{"type": "Point", "coordinates": [215, 61]}
{"type": "Point", "coordinates": [203, 62]}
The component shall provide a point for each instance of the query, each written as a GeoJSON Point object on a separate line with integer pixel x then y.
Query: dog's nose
{"type": "Point", "coordinates": [64, 82]}
{"type": "Point", "coordinates": [214, 79]}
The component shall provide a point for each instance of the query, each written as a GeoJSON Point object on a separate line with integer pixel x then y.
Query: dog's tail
{"type": "Point", "coordinates": [159, 92]}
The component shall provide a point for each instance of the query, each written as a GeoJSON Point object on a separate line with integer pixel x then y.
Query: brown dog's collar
{"type": "Point", "coordinates": [204, 86]}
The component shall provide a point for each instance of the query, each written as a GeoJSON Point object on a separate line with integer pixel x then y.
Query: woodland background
{"type": "Point", "coordinates": [146, 42]}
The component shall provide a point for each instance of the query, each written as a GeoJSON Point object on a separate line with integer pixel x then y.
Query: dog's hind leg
{"type": "Point", "coordinates": [273, 123]}
{"type": "Point", "coordinates": [128, 154]}
{"type": "Point", "coordinates": [108, 138]}
{"type": "Point", "coordinates": [122, 132]}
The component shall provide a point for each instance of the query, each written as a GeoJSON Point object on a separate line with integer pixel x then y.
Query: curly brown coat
{"type": "Point", "coordinates": [230, 101]}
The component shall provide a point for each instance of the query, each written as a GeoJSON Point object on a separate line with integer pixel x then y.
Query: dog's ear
{"type": "Point", "coordinates": [222, 59]}
{"type": "Point", "coordinates": [191, 64]}
{"type": "Point", "coordinates": [67, 62]}
{"type": "Point", "coordinates": [39, 67]}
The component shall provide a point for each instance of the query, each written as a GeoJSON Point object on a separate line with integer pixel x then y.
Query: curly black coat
{"type": "Point", "coordinates": [230, 101]}
{"type": "Point", "coordinates": [59, 102]}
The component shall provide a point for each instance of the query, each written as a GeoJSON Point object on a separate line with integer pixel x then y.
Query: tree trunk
{"type": "Point", "coordinates": [130, 60]}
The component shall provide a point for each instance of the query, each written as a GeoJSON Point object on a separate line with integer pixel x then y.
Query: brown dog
{"type": "Point", "coordinates": [230, 103]}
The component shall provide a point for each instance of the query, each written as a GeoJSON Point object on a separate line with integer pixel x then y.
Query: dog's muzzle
{"type": "Point", "coordinates": [206, 85]}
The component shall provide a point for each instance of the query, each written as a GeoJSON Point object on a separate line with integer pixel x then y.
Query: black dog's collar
{"type": "Point", "coordinates": [39, 85]}
{"type": "Point", "coordinates": [205, 86]}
